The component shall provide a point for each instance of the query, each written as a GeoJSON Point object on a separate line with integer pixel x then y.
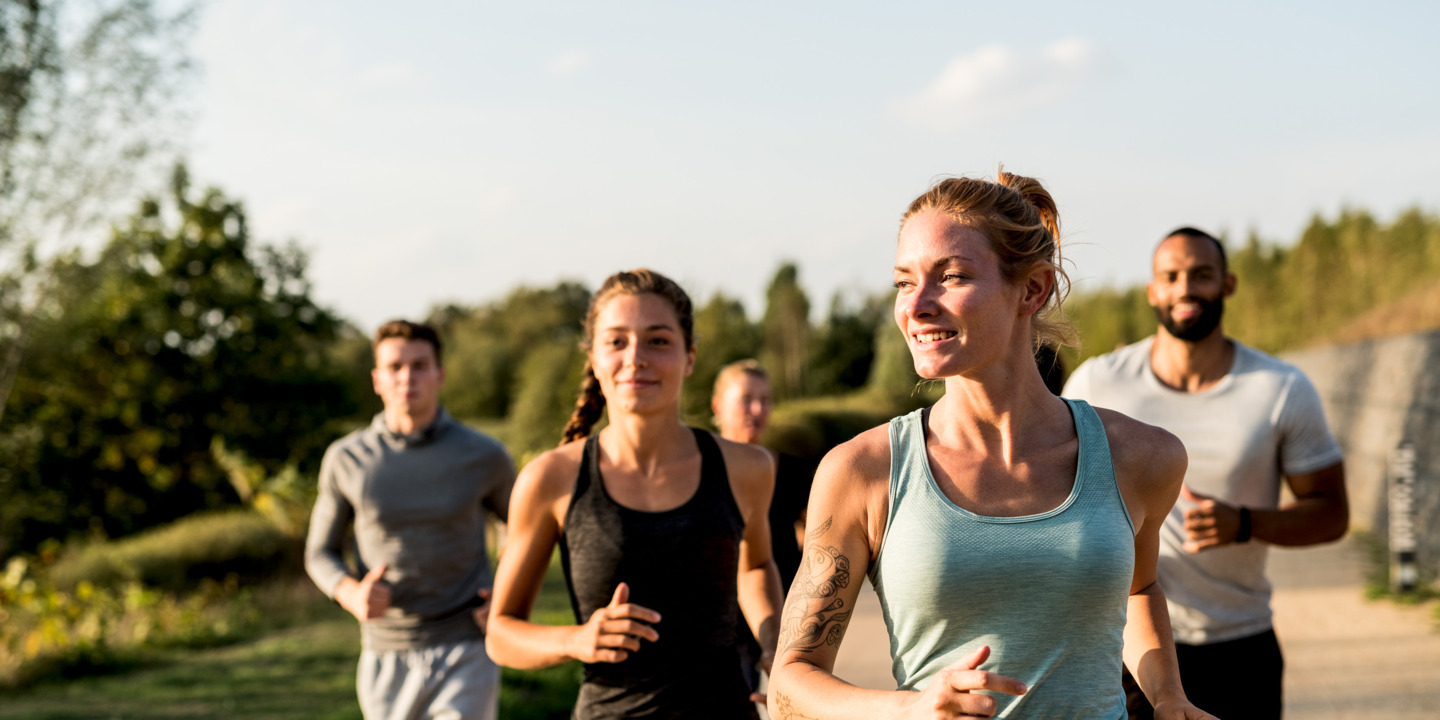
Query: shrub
{"type": "Point", "coordinates": [179, 555]}
{"type": "Point", "coordinates": [48, 634]}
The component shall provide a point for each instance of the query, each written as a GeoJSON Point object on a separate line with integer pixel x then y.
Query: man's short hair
{"type": "Point", "coordinates": [406, 330]}
{"type": "Point", "coordinates": [735, 370]}
{"type": "Point", "coordinates": [1198, 234]}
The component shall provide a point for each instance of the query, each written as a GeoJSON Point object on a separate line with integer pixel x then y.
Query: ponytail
{"type": "Point", "coordinates": [588, 408]}
{"type": "Point", "coordinates": [1038, 197]}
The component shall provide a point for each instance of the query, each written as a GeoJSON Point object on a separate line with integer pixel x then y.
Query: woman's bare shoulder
{"type": "Point", "coordinates": [852, 491]}
{"type": "Point", "coordinates": [863, 458]}
{"type": "Point", "coordinates": [856, 473]}
{"type": "Point", "coordinates": [552, 473]}
{"type": "Point", "coordinates": [744, 459]}
{"type": "Point", "coordinates": [1135, 443]}
{"type": "Point", "coordinates": [1149, 461]}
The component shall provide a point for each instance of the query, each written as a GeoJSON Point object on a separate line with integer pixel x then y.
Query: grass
{"type": "Point", "coordinates": [306, 670]}
{"type": "Point", "coordinates": [175, 556]}
{"type": "Point", "coordinates": [302, 672]}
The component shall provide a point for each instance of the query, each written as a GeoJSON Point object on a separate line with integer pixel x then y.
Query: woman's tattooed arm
{"type": "Point", "coordinates": [815, 615]}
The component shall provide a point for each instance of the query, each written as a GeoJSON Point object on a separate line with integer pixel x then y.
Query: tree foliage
{"type": "Point", "coordinates": [1289, 296]}
{"type": "Point", "coordinates": [513, 366]}
{"type": "Point", "coordinates": [89, 109]}
{"type": "Point", "coordinates": [89, 104]}
{"type": "Point", "coordinates": [488, 346]}
{"type": "Point", "coordinates": [785, 333]}
{"type": "Point", "coordinates": [176, 333]}
{"type": "Point", "coordinates": [723, 335]}
{"type": "Point", "coordinates": [842, 349]}
{"type": "Point", "coordinates": [182, 336]}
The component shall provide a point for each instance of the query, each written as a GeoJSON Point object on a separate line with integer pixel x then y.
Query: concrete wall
{"type": "Point", "coordinates": [1378, 393]}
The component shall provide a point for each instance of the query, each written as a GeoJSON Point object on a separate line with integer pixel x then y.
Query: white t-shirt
{"type": "Point", "coordinates": [1261, 421]}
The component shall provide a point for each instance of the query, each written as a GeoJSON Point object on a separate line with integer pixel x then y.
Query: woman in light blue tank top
{"type": "Point", "coordinates": [1010, 535]}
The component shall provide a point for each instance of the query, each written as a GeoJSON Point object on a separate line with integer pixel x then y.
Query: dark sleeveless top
{"type": "Point", "coordinates": [680, 563]}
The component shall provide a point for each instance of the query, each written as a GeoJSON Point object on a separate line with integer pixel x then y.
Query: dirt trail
{"type": "Point", "coordinates": [1346, 658]}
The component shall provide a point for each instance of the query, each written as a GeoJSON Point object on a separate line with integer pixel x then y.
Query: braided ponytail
{"type": "Point", "coordinates": [588, 408]}
{"type": "Point", "coordinates": [591, 403]}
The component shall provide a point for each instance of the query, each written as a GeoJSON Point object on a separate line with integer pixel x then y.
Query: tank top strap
{"type": "Point", "coordinates": [907, 447]}
{"type": "Point", "coordinates": [1095, 467]}
{"type": "Point", "coordinates": [714, 477]}
{"type": "Point", "coordinates": [589, 465]}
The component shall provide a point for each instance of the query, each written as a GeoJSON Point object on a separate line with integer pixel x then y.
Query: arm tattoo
{"type": "Point", "coordinates": [824, 570]}
{"type": "Point", "coordinates": [786, 710]}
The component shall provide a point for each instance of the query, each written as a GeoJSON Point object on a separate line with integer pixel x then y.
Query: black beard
{"type": "Point", "coordinates": [1200, 326]}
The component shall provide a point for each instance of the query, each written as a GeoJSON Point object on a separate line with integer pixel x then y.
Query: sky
{"type": "Point", "coordinates": [437, 152]}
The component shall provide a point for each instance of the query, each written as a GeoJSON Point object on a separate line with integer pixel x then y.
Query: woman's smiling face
{"type": "Point", "coordinates": [639, 354]}
{"type": "Point", "coordinates": [953, 303]}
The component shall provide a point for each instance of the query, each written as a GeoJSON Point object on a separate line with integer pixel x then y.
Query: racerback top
{"type": "Point", "coordinates": [680, 563]}
{"type": "Point", "coordinates": [1046, 592]}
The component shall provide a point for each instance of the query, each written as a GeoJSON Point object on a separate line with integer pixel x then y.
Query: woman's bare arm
{"type": "Point", "coordinates": [846, 519]}
{"type": "Point", "coordinates": [1149, 468]}
{"type": "Point", "coordinates": [752, 477]}
{"type": "Point", "coordinates": [537, 508]}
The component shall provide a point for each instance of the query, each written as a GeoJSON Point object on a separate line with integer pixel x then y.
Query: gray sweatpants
{"type": "Point", "coordinates": [454, 681]}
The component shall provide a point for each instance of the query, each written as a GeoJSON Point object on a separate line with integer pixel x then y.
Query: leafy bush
{"type": "Point", "coordinates": [206, 545]}
{"type": "Point", "coordinates": [47, 633]}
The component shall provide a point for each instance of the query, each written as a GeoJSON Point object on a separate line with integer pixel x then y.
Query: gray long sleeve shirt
{"type": "Point", "coordinates": [417, 503]}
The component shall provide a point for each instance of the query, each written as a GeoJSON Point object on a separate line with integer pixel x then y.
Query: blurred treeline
{"type": "Point", "coordinates": [514, 365]}
{"type": "Point", "coordinates": [185, 367]}
{"type": "Point", "coordinates": [1343, 280]}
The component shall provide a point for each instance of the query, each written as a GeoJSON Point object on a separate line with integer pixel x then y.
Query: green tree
{"type": "Point", "coordinates": [545, 390]}
{"type": "Point", "coordinates": [843, 349]}
{"type": "Point", "coordinates": [785, 333]}
{"type": "Point", "coordinates": [89, 109]}
{"type": "Point", "coordinates": [1107, 319]}
{"type": "Point", "coordinates": [174, 335]}
{"type": "Point", "coordinates": [1326, 285]}
{"type": "Point", "coordinates": [723, 335]}
{"type": "Point", "coordinates": [488, 345]}
{"type": "Point", "coordinates": [892, 378]}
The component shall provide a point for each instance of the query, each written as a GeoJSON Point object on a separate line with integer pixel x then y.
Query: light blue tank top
{"type": "Point", "coordinates": [1046, 592]}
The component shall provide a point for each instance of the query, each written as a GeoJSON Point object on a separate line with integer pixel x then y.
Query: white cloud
{"type": "Point", "coordinates": [568, 63]}
{"type": "Point", "coordinates": [997, 82]}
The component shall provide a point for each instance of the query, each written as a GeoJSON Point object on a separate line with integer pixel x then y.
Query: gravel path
{"type": "Point", "coordinates": [1346, 658]}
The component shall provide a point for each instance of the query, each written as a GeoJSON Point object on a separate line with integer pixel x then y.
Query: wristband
{"type": "Point", "coordinates": [1243, 534]}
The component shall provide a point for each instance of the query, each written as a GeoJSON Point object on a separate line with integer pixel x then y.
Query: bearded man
{"type": "Point", "coordinates": [1247, 420]}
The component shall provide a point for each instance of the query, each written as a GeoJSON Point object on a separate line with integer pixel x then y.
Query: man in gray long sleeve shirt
{"type": "Point", "coordinates": [415, 485]}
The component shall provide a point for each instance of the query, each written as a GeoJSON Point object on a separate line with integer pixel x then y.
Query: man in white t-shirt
{"type": "Point", "coordinates": [1247, 419]}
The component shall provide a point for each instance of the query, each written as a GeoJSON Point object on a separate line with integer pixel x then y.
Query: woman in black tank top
{"type": "Point", "coordinates": [662, 529]}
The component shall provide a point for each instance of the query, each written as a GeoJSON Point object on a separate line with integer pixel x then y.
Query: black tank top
{"type": "Point", "coordinates": [680, 563]}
